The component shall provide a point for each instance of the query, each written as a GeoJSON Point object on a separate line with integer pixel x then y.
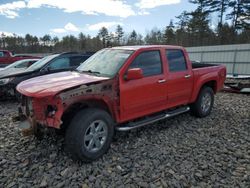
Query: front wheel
{"type": "Point", "coordinates": [89, 134]}
{"type": "Point", "coordinates": [204, 103]}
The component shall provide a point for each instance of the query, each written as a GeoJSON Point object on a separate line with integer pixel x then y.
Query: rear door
{"type": "Point", "coordinates": [180, 78]}
{"type": "Point", "coordinates": [148, 94]}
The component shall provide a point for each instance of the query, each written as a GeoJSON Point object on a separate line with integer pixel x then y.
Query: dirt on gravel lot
{"type": "Point", "coordinates": [180, 152]}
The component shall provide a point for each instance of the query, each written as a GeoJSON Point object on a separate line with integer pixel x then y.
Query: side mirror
{"type": "Point", "coordinates": [134, 74]}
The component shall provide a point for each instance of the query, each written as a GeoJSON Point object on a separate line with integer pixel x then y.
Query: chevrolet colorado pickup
{"type": "Point", "coordinates": [6, 58]}
{"type": "Point", "coordinates": [118, 88]}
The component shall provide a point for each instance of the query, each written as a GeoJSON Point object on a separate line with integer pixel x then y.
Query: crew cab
{"type": "Point", "coordinates": [118, 89]}
{"type": "Point", "coordinates": [6, 58]}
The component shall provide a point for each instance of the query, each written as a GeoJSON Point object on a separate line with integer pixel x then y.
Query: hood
{"type": "Point", "coordinates": [50, 85]}
{"type": "Point", "coordinates": [14, 72]}
{"type": "Point", "coordinates": [11, 71]}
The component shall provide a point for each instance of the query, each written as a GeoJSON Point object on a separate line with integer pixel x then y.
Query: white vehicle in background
{"type": "Point", "coordinates": [17, 66]}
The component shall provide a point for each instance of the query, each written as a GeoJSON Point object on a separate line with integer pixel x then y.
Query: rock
{"type": "Point", "coordinates": [64, 172]}
{"type": "Point", "coordinates": [183, 151]}
{"type": "Point", "coordinates": [49, 165]}
{"type": "Point", "coordinates": [198, 175]}
{"type": "Point", "coordinates": [43, 183]}
{"type": "Point", "coordinates": [60, 185]}
{"type": "Point", "coordinates": [171, 172]}
{"type": "Point", "coordinates": [85, 185]}
{"type": "Point", "coordinates": [53, 156]}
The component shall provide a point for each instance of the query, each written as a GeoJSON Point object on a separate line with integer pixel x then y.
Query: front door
{"type": "Point", "coordinates": [148, 94]}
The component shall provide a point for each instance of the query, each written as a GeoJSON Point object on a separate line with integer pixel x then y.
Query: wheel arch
{"type": "Point", "coordinates": [210, 83]}
{"type": "Point", "coordinates": [73, 108]}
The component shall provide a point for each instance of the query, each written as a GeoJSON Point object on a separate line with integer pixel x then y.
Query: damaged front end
{"type": "Point", "coordinates": [47, 112]}
{"type": "Point", "coordinates": [36, 113]}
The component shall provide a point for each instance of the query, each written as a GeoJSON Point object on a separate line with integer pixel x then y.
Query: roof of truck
{"type": "Point", "coordinates": [148, 47]}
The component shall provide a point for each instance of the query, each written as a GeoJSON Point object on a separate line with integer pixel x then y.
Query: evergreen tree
{"type": "Point", "coordinates": [119, 34]}
{"type": "Point", "coordinates": [82, 41]}
{"type": "Point", "coordinates": [203, 5]}
{"type": "Point", "coordinates": [132, 38]}
{"type": "Point", "coordinates": [198, 27]}
{"type": "Point", "coordinates": [103, 34]}
{"type": "Point", "coordinates": [155, 36]}
{"type": "Point", "coordinates": [169, 33]}
{"type": "Point", "coordinates": [239, 14]}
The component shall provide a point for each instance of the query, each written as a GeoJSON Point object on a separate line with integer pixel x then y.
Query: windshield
{"type": "Point", "coordinates": [41, 62]}
{"type": "Point", "coordinates": [106, 62]}
{"type": "Point", "coordinates": [20, 64]}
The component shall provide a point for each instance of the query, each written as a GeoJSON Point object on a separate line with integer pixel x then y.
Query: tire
{"type": "Point", "coordinates": [203, 105]}
{"type": "Point", "coordinates": [89, 134]}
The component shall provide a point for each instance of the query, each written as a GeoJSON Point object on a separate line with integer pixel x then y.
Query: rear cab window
{"type": "Point", "coordinates": [176, 60]}
{"type": "Point", "coordinates": [150, 63]}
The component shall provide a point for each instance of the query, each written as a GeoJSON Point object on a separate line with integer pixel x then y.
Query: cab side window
{"type": "Point", "coordinates": [149, 62]}
{"type": "Point", "coordinates": [61, 63]}
{"type": "Point", "coordinates": [1, 54]}
{"type": "Point", "coordinates": [176, 60]}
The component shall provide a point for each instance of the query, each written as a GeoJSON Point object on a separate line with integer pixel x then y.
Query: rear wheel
{"type": "Point", "coordinates": [204, 103]}
{"type": "Point", "coordinates": [89, 134]}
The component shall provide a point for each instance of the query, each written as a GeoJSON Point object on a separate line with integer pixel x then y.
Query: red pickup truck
{"type": "Point", "coordinates": [7, 58]}
{"type": "Point", "coordinates": [118, 88]}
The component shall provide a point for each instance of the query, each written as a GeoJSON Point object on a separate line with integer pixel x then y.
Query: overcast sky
{"type": "Point", "coordinates": [63, 17]}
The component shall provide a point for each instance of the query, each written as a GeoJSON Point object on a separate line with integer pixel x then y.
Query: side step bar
{"type": "Point", "coordinates": [153, 119]}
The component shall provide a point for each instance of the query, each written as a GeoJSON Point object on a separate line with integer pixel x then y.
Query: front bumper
{"type": "Point", "coordinates": [35, 115]}
{"type": "Point", "coordinates": [28, 127]}
{"type": "Point", "coordinates": [28, 124]}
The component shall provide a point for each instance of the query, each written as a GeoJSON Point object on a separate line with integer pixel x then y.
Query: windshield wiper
{"type": "Point", "coordinates": [92, 72]}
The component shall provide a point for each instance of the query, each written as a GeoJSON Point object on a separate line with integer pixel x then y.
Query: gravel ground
{"type": "Point", "coordinates": [181, 152]}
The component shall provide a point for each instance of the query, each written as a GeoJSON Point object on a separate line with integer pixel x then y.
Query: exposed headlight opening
{"type": "Point", "coordinates": [51, 111]}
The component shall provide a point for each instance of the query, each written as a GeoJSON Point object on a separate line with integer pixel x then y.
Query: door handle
{"type": "Point", "coordinates": [187, 76]}
{"type": "Point", "coordinates": [161, 81]}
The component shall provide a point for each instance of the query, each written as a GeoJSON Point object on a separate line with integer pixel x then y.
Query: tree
{"type": "Point", "coordinates": [28, 39]}
{"type": "Point", "coordinates": [203, 5]}
{"type": "Point", "coordinates": [119, 34]}
{"type": "Point", "coordinates": [240, 14]}
{"type": "Point", "coordinates": [55, 40]}
{"type": "Point", "coordinates": [3, 42]}
{"type": "Point", "coordinates": [183, 20]}
{"type": "Point", "coordinates": [219, 6]}
{"type": "Point", "coordinates": [46, 39]}
{"type": "Point", "coordinates": [226, 33]}
{"type": "Point", "coordinates": [155, 36]}
{"type": "Point", "coordinates": [181, 33]}
{"type": "Point", "coordinates": [169, 33]}
{"type": "Point", "coordinates": [198, 27]}
{"type": "Point", "coordinates": [82, 41]}
{"type": "Point", "coordinates": [132, 38]}
{"type": "Point", "coordinates": [103, 34]}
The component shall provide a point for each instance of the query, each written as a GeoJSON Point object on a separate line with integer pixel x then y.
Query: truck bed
{"type": "Point", "coordinates": [202, 65]}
